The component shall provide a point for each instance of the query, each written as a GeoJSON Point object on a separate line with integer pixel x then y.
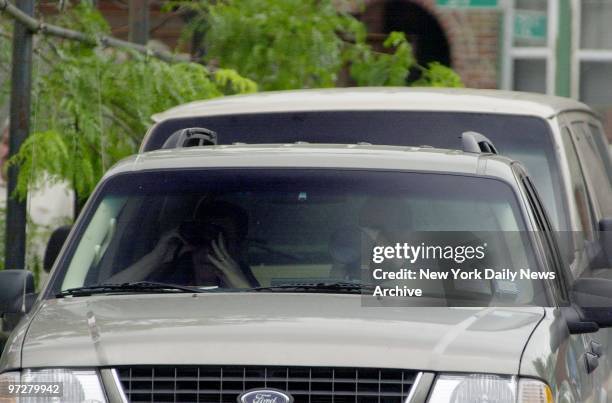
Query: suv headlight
{"type": "Point", "coordinates": [77, 385]}
{"type": "Point", "coordinates": [483, 388]}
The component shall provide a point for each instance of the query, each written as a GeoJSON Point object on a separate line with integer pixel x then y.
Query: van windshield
{"type": "Point", "coordinates": [527, 139]}
{"type": "Point", "coordinates": [239, 229]}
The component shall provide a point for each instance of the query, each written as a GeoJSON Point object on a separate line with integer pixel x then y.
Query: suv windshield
{"type": "Point", "coordinates": [239, 229]}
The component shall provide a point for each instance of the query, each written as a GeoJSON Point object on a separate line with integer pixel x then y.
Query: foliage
{"type": "Point", "coordinates": [92, 106]}
{"type": "Point", "coordinates": [381, 69]}
{"type": "Point", "coordinates": [296, 41]}
{"type": "Point", "coordinates": [5, 59]}
{"type": "Point", "coordinates": [438, 75]}
{"type": "Point", "coordinates": [285, 44]}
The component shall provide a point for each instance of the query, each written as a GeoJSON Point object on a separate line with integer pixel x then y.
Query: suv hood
{"type": "Point", "coordinates": [274, 329]}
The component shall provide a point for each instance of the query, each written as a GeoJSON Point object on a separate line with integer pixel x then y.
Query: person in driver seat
{"type": "Point", "coordinates": [205, 252]}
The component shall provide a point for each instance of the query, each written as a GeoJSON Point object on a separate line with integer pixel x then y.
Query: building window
{"type": "Point", "coordinates": [530, 26]}
{"type": "Point", "coordinates": [593, 59]}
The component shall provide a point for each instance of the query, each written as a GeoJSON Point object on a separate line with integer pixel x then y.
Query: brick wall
{"type": "Point", "coordinates": [473, 36]}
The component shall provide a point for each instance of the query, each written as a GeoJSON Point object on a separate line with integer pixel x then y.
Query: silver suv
{"type": "Point", "coordinates": [224, 273]}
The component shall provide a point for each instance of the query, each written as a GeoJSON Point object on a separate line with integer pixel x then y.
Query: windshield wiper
{"type": "Point", "coordinates": [332, 287]}
{"type": "Point", "coordinates": [138, 286]}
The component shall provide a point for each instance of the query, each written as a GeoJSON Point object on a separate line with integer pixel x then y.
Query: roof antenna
{"type": "Point", "coordinates": [191, 137]}
{"type": "Point", "coordinates": [474, 142]}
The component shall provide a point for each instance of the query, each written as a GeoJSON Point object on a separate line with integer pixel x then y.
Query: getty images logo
{"type": "Point", "coordinates": [265, 396]}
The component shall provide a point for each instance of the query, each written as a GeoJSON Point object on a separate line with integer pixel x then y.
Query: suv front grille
{"type": "Point", "coordinates": [225, 383]}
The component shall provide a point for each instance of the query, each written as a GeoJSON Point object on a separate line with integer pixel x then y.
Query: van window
{"type": "Point", "coordinates": [594, 165]}
{"type": "Point", "coordinates": [602, 148]}
{"type": "Point", "coordinates": [579, 189]}
{"type": "Point", "coordinates": [527, 139]}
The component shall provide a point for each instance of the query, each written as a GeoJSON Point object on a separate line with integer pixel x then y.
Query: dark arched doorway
{"type": "Point", "coordinates": [422, 30]}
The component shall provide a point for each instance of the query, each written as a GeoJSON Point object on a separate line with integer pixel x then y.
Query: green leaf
{"type": "Point", "coordinates": [438, 75]}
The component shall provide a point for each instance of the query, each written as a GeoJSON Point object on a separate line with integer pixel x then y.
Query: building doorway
{"type": "Point", "coordinates": [421, 28]}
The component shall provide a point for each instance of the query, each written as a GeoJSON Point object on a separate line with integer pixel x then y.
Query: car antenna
{"type": "Point", "coordinates": [191, 137]}
{"type": "Point", "coordinates": [474, 142]}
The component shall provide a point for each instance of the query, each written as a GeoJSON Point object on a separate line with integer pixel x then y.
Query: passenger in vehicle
{"type": "Point", "coordinates": [381, 220]}
{"type": "Point", "coordinates": [345, 250]}
{"type": "Point", "coordinates": [206, 251]}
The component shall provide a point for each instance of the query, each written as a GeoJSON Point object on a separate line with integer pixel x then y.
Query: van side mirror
{"type": "Point", "coordinates": [14, 284]}
{"type": "Point", "coordinates": [54, 246]}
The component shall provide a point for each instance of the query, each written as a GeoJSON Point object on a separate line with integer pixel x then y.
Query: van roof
{"type": "Point", "coordinates": [379, 98]}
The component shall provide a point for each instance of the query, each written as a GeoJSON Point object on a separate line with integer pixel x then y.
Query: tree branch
{"type": "Point", "coordinates": [37, 26]}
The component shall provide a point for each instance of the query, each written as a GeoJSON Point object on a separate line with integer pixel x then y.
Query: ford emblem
{"type": "Point", "coordinates": [265, 395]}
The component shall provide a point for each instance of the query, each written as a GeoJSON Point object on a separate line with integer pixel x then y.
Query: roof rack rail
{"type": "Point", "coordinates": [191, 137]}
{"type": "Point", "coordinates": [474, 142]}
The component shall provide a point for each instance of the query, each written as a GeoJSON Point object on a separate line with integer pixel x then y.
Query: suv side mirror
{"type": "Point", "coordinates": [54, 246]}
{"type": "Point", "coordinates": [14, 284]}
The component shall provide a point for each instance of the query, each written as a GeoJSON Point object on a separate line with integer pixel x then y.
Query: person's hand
{"type": "Point", "coordinates": [226, 265]}
{"type": "Point", "coordinates": [164, 251]}
{"type": "Point", "coordinates": [168, 246]}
